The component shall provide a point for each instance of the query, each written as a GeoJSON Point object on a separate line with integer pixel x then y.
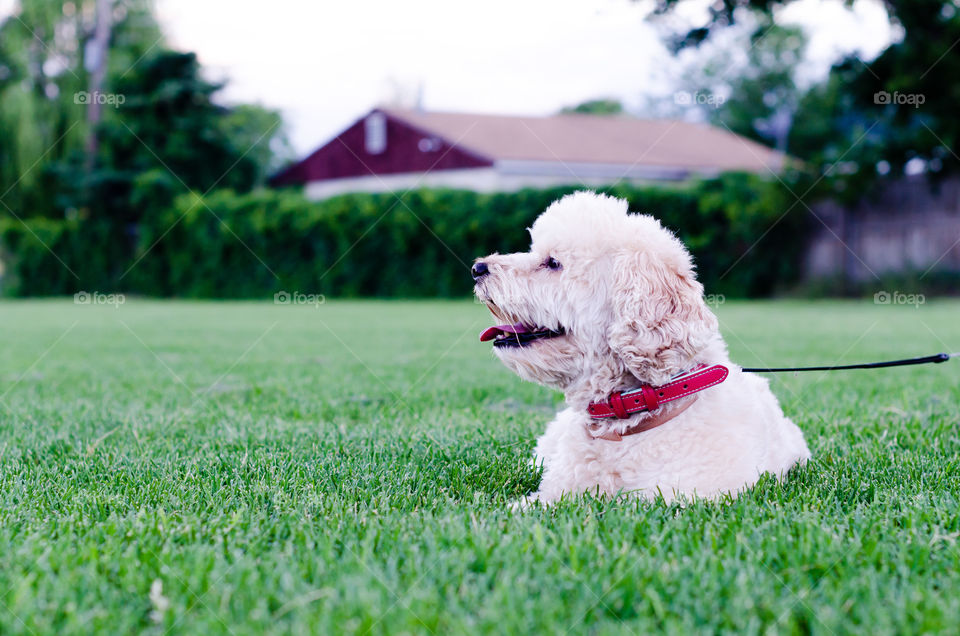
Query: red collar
{"type": "Point", "coordinates": [649, 398]}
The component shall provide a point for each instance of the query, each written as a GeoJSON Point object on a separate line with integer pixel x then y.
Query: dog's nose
{"type": "Point", "coordinates": [479, 270]}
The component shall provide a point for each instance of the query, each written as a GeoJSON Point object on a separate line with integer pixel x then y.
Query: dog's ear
{"type": "Point", "coordinates": [660, 318]}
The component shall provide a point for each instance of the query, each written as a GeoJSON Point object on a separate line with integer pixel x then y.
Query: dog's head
{"type": "Point", "coordinates": [603, 297]}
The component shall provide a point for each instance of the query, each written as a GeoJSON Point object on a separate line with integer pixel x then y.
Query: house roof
{"type": "Point", "coordinates": [579, 138]}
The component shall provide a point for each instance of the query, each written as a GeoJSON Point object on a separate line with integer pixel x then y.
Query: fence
{"type": "Point", "coordinates": [906, 227]}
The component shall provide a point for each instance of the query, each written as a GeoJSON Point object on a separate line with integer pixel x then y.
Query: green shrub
{"type": "Point", "coordinates": [419, 243]}
{"type": "Point", "coordinates": [46, 257]}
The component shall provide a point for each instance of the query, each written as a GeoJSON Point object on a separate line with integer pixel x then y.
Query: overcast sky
{"type": "Point", "coordinates": [324, 63]}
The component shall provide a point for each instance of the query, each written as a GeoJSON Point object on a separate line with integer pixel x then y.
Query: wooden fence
{"type": "Point", "coordinates": [907, 227]}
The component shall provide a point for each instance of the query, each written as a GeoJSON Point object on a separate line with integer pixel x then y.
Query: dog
{"type": "Point", "coordinates": [606, 308]}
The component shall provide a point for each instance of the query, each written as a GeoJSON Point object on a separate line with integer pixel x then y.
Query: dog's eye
{"type": "Point", "coordinates": [552, 263]}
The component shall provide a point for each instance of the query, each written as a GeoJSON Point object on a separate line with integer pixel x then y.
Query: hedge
{"type": "Point", "coordinates": [46, 257]}
{"type": "Point", "coordinates": [418, 244]}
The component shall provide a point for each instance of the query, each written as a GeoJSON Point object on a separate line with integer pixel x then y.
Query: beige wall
{"type": "Point", "coordinates": [505, 176]}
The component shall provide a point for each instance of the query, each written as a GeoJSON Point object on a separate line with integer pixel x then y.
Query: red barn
{"type": "Point", "coordinates": [392, 149]}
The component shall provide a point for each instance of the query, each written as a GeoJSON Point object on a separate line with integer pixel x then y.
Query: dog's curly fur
{"type": "Point", "coordinates": [627, 300]}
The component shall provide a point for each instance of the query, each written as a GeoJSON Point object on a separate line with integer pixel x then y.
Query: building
{"type": "Point", "coordinates": [393, 149]}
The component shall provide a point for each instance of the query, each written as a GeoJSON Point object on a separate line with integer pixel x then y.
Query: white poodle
{"type": "Point", "coordinates": [606, 307]}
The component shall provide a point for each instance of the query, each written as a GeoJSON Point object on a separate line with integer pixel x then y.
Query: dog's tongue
{"type": "Point", "coordinates": [492, 332]}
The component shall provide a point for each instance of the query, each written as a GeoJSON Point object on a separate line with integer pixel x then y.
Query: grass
{"type": "Point", "coordinates": [243, 468]}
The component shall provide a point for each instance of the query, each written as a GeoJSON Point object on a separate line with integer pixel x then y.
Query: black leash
{"type": "Point", "coordinates": [935, 359]}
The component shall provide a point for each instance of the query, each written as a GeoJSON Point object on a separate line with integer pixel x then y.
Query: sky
{"type": "Point", "coordinates": [323, 64]}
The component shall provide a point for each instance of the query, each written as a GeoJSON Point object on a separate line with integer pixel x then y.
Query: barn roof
{"type": "Point", "coordinates": [579, 138]}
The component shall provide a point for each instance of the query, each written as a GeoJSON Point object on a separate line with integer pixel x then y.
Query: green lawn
{"type": "Point", "coordinates": [240, 468]}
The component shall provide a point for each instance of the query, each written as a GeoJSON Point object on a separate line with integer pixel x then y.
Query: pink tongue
{"type": "Point", "coordinates": [492, 332]}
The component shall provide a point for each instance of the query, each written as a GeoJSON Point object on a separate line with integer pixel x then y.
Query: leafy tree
{"type": "Point", "coordinates": [260, 133]}
{"type": "Point", "coordinates": [870, 120]}
{"type": "Point", "coordinates": [39, 74]}
{"type": "Point", "coordinates": [42, 78]}
{"type": "Point", "coordinates": [162, 125]}
{"type": "Point", "coordinates": [171, 129]}
{"type": "Point", "coordinates": [596, 107]}
{"type": "Point", "coordinates": [168, 120]}
{"type": "Point", "coordinates": [747, 84]}
{"type": "Point", "coordinates": [912, 89]}
{"type": "Point", "coordinates": [763, 99]}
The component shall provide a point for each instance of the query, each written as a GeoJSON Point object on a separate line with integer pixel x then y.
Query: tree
{"type": "Point", "coordinates": [596, 107]}
{"type": "Point", "coordinates": [747, 84]}
{"type": "Point", "coordinates": [260, 133]}
{"type": "Point", "coordinates": [161, 123]}
{"type": "Point", "coordinates": [763, 100]}
{"type": "Point", "coordinates": [879, 117]}
{"type": "Point", "coordinates": [39, 74]}
{"type": "Point", "coordinates": [43, 98]}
